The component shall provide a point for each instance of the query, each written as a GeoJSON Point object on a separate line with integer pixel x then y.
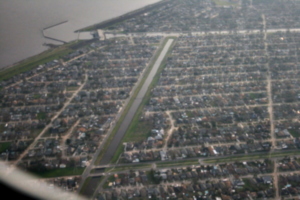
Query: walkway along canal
{"type": "Point", "coordinates": [137, 101]}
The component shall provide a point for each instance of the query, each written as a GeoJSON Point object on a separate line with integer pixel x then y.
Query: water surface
{"type": "Point", "coordinates": [22, 22]}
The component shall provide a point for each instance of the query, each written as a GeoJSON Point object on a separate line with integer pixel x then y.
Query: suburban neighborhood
{"type": "Point", "coordinates": [219, 120]}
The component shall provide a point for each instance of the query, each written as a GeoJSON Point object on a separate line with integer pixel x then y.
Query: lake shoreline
{"type": "Point", "coordinates": [103, 24]}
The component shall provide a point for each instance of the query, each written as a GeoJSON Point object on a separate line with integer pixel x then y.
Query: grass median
{"type": "Point", "coordinates": [129, 167]}
{"type": "Point", "coordinates": [224, 3]}
{"type": "Point", "coordinates": [177, 163]}
{"type": "Point", "coordinates": [252, 157]}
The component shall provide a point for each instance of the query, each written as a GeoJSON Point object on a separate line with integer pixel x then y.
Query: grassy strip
{"type": "Point", "coordinates": [224, 3]}
{"type": "Point", "coordinates": [72, 88]}
{"type": "Point", "coordinates": [252, 157]}
{"type": "Point", "coordinates": [141, 130]}
{"type": "Point", "coordinates": [4, 146]}
{"type": "Point", "coordinates": [109, 179]}
{"type": "Point", "coordinates": [177, 163]}
{"type": "Point", "coordinates": [69, 171]}
{"type": "Point", "coordinates": [130, 167]}
{"type": "Point", "coordinates": [294, 133]}
{"type": "Point", "coordinates": [130, 133]}
{"type": "Point", "coordinates": [34, 61]}
{"type": "Point", "coordinates": [119, 122]}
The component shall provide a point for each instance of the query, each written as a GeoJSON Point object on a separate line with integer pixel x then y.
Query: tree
{"type": "Point", "coordinates": [68, 141]}
{"type": "Point", "coordinates": [72, 163]}
{"type": "Point", "coordinates": [39, 167]}
{"type": "Point", "coordinates": [155, 179]}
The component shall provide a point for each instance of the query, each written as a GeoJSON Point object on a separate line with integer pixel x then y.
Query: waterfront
{"type": "Point", "coordinates": [22, 22]}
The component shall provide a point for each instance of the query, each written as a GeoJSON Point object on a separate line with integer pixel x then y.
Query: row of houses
{"type": "Point", "coordinates": [196, 182]}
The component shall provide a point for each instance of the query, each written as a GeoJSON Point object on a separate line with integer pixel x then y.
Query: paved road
{"type": "Point", "coordinates": [269, 86]}
{"type": "Point", "coordinates": [177, 34]}
{"type": "Point", "coordinates": [225, 143]}
{"type": "Point", "coordinates": [270, 109]}
{"type": "Point", "coordinates": [170, 131]}
{"type": "Point", "coordinates": [201, 162]}
{"type": "Point", "coordinates": [127, 120]}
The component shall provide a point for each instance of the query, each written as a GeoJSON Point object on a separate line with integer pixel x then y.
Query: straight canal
{"type": "Point", "coordinates": [137, 101]}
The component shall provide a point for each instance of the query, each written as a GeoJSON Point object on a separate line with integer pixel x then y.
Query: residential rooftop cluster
{"type": "Point", "coordinates": [65, 108]}
{"type": "Point", "coordinates": [211, 15]}
{"type": "Point", "coordinates": [68, 184]}
{"type": "Point", "coordinates": [289, 185]}
{"type": "Point", "coordinates": [199, 100]}
{"type": "Point", "coordinates": [194, 15]}
{"type": "Point", "coordinates": [228, 87]}
{"type": "Point", "coordinates": [224, 181]}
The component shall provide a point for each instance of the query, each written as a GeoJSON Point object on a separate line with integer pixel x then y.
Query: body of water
{"type": "Point", "coordinates": [22, 22]}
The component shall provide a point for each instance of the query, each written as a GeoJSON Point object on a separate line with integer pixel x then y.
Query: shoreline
{"type": "Point", "coordinates": [102, 24]}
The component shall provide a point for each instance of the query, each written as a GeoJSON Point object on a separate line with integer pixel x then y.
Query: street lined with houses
{"type": "Point", "coordinates": [208, 95]}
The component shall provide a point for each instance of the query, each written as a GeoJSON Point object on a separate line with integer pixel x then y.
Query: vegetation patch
{"type": "Point", "coordinates": [138, 131]}
{"type": "Point", "coordinates": [41, 115]}
{"type": "Point", "coordinates": [225, 2]}
{"type": "Point", "coordinates": [109, 180]}
{"type": "Point", "coordinates": [36, 96]}
{"type": "Point", "coordinates": [153, 178]}
{"type": "Point", "coordinates": [131, 167]}
{"type": "Point", "coordinates": [177, 163]}
{"type": "Point", "coordinates": [256, 95]}
{"type": "Point", "coordinates": [252, 157]}
{"type": "Point", "coordinates": [34, 61]}
{"type": "Point", "coordinates": [253, 186]}
{"type": "Point", "coordinates": [294, 133]}
{"type": "Point", "coordinates": [72, 88]}
{"type": "Point", "coordinates": [36, 132]}
{"type": "Point", "coordinates": [4, 146]}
